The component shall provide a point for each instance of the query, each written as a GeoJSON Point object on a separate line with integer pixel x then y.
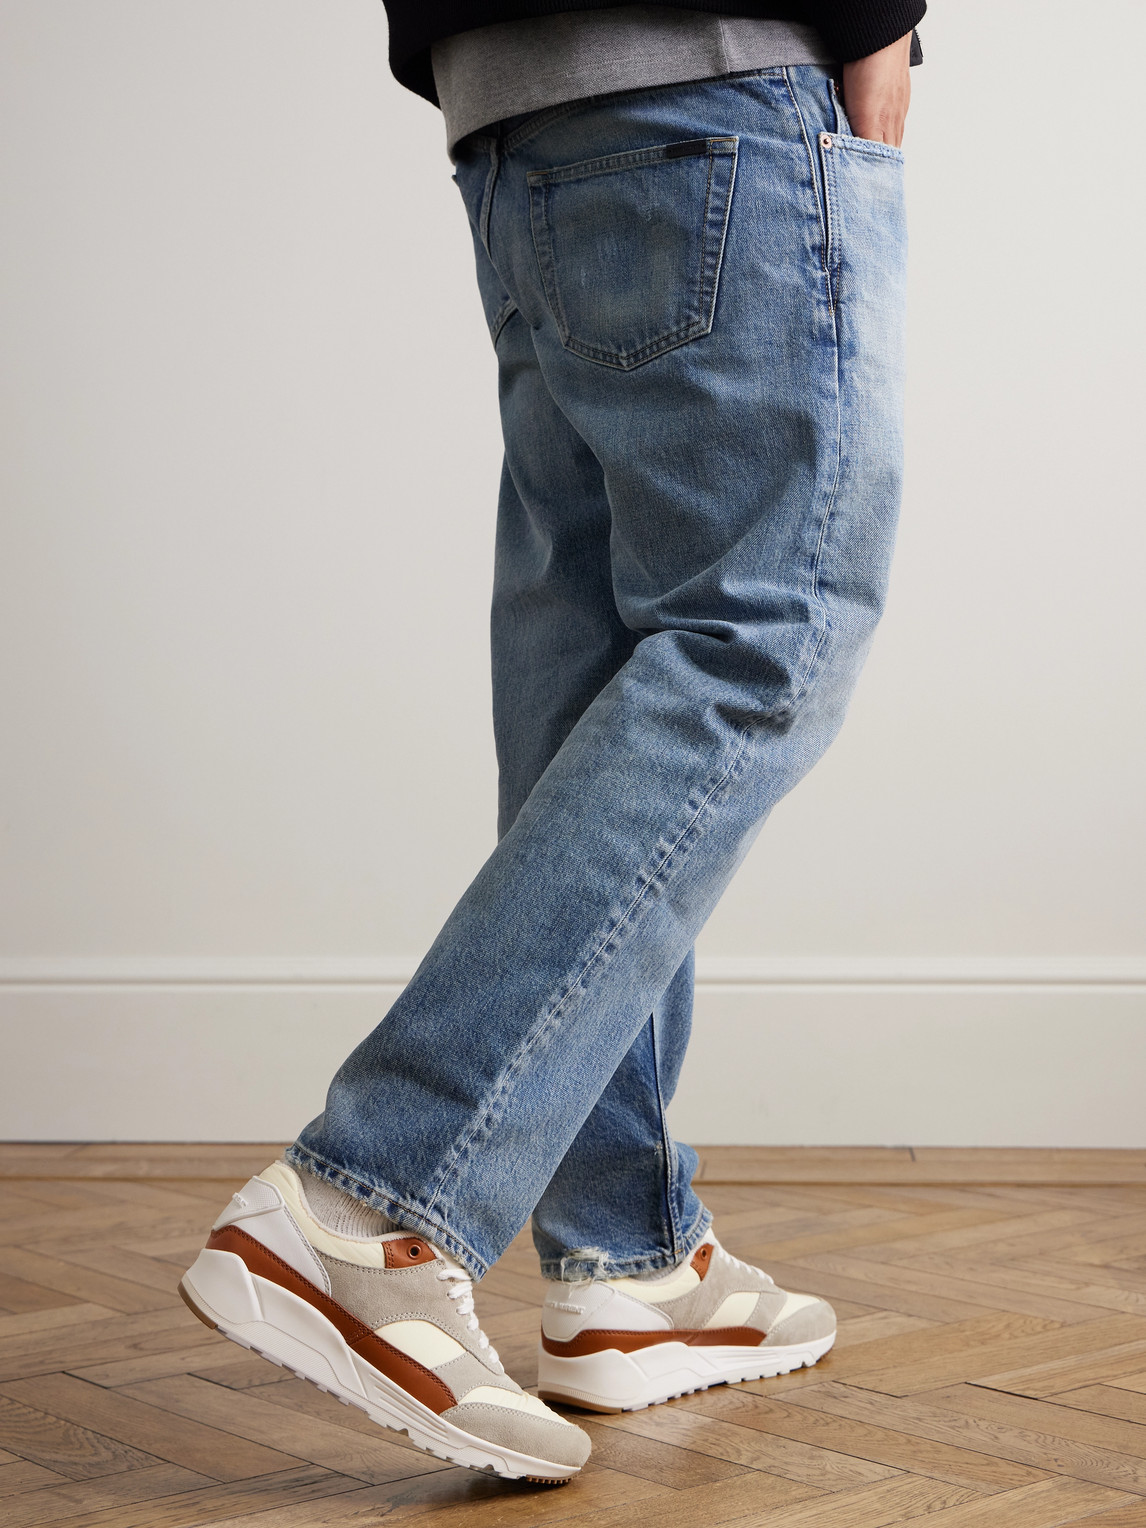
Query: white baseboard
{"type": "Point", "coordinates": [711, 970]}
{"type": "Point", "coordinates": [973, 1051]}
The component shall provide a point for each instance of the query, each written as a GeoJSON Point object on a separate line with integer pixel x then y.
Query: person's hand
{"type": "Point", "coordinates": [877, 91]}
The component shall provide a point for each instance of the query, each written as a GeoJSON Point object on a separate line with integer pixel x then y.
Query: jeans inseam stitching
{"type": "Point", "coordinates": [817, 559]}
{"type": "Point", "coordinates": [666, 1143]}
{"type": "Point", "coordinates": [549, 1021]}
{"type": "Point", "coordinates": [442, 1235]}
{"type": "Point", "coordinates": [801, 688]}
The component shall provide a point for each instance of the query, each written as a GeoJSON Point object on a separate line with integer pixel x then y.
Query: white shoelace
{"type": "Point", "coordinates": [463, 1294]}
{"type": "Point", "coordinates": [736, 1263]}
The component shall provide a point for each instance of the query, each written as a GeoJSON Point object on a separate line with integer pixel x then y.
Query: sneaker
{"type": "Point", "coordinates": [623, 1344]}
{"type": "Point", "coordinates": [385, 1323]}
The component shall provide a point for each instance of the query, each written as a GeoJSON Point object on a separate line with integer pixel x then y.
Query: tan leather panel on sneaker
{"type": "Point", "coordinates": [629, 1342]}
{"type": "Point", "coordinates": [422, 1383]}
{"type": "Point", "coordinates": [406, 1251]}
{"type": "Point", "coordinates": [701, 1258]}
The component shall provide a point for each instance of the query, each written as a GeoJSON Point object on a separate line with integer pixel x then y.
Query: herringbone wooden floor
{"type": "Point", "coordinates": [990, 1370]}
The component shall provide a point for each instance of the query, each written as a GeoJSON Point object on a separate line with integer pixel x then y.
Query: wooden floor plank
{"type": "Point", "coordinates": [1127, 1243]}
{"type": "Point", "coordinates": [1107, 1401]}
{"type": "Point", "coordinates": [108, 1491]}
{"type": "Point", "coordinates": [1051, 1265]}
{"type": "Point", "coordinates": [903, 1228]}
{"type": "Point", "coordinates": [1004, 1223]}
{"type": "Point", "coordinates": [1046, 1350]}
{"type": "Point", "coordinates": [1069, 1372]}
{"type": "Point", "coordinates": [70, 1313]}
{"type": "Point", "coordinates": [96, 1288]}
{"type": "Point", "coordinates": [1080, 1426]}
{"type": "Point", "coordinates": [1132, 1516]}
{"type": "Point", "coordinates": [958, 1342]}
{"type": "Point", "coordinates": [982, 1473]}
{"type": "Point", "coordinates": [1042, 1451]}
{"type": "Point", "coordinates": [462, 1499]}
{"type": "Point", "coordinates": [1046, 1505]}
{"type": "Point", "coordinates": [121, 1263]}
{"type": "Point", "coordinates": [810, 1464]}
{"type": "Point", "coordinates": [152, 1332]}
{"type": "Point", "coordinates": [201, 1358]}
{"type": "Point", "coordinates": [22, 1475]}
{"type": "Point", "coordinates": [664, 1463]}
{"type": "Point", "coordinates": [834, 1286]}
{"type": "Point", "coordinates": [246, 1371]}
{"type": "Point", "coordinates": [91, 1223]}
{"type": "Point", "coordinates": [875, 1506]}
{"type": "Point", "coordinates": [307, 1400]}
{"type": "Point", "coordinates": [77, 1452]}
{"type": "Point", "coordinates": [876, 1326]}
{"type": "Point", "coordinates": [340, 1449]}
{"type": "Point", "coordinates": [1097, 1294]}
{"type": "Point", "coordinates": [207, 1450]}
{"type": "Point", "coordinates": [907, 1274]}
{"type": "Point", "coordinates": [18, 1296]}
{"type": "Point", "coordinates": [266, 1496]}
{"type": "Point", "coordinates": [1066, 1243]}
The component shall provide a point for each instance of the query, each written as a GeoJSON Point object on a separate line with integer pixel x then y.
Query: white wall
{"type": "Point", "coordinates": [248, 460]}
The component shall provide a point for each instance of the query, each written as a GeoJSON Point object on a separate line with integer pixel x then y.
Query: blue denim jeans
{"type": "Point", "coordinates": [696, 297]}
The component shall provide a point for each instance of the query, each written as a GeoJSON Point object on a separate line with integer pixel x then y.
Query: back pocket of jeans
{"type": "Point", "coordinates": [630, 246]}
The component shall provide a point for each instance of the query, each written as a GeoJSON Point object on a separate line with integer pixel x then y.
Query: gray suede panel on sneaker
{"type": "Point", "coordinates": [807, 1324]}
{"type": "Point", "coordinates": [465, 1372]}
{"type": "Point", "coordinates": [768, 1307]}
{"type": "Point", "coordinates": [556, 1441]}
{"type": "Point", "coordinates": [378, 1296]}
{"type": "Point", "coordinates": [691, 1311]}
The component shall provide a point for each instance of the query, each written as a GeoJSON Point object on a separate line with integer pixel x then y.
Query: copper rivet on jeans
{"type": "Point", "coordinates": [825, 140]}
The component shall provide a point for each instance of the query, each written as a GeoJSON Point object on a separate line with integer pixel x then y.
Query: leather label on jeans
{"type": "Point", "coordinates": [422, 1383]}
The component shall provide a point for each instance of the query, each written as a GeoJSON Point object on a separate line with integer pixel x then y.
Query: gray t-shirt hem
{"type": "Point", "coordinates": [490, 73]}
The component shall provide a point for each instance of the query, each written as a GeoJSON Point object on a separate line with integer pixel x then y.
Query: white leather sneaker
{"type": "Point", "coordinates": [623, 1344]}
{"type": "Point", "coordinates": [385, 1323]}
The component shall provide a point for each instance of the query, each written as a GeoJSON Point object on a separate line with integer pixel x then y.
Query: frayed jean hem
{"type": "Point", "coordinates": [582, 1264]}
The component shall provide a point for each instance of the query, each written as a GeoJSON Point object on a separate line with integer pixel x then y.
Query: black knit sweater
{"type": "Point", "coordinates": [850, 28]}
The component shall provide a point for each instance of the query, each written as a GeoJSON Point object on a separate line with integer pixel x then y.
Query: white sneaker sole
{"type": "Point", "coordinates": [613, 1381]}
{"type": "Point", "coordinates": [263, 1316]}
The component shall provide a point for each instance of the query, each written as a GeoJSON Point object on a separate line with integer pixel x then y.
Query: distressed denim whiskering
{"type": "Point", "coordinates": [696, 297]}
